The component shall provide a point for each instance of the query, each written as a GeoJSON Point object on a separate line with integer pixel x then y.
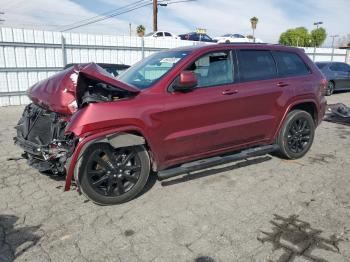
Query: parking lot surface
{"type": "Point", "coordinates": [260, 209]}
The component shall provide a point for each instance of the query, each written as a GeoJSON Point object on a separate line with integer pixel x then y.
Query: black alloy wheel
{"type": "Point", "coordinates": [296, 135]}
{"type": "Point", "coordinates": [113, 176]}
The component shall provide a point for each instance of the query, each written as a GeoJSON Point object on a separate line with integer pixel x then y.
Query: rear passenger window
{"type": "Point", "coordinates": [256, 65]}
{"type": "Point", "coordinates": [290, 64]}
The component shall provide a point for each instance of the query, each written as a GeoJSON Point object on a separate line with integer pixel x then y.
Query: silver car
{"type": "Point", "coordinates": [337, 74]}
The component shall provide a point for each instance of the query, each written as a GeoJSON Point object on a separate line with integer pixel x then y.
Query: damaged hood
{"type": "Point", "coordinates": [60, 92]}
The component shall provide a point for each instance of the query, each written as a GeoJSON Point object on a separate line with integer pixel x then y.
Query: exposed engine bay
{"type": "Point", "coordinates": [94, 91]}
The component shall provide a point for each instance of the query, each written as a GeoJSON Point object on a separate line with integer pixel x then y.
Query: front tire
{"type": "Point", "coordinates": [296, 135]}
{"type": "Point", "coordinates": [110, 176]}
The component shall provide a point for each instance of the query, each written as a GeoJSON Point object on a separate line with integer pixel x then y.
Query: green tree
{"type": "Point", "coordinates": [140, 30]}
{"type": "Point", "coordinates": [254, 21]}
{"type": "Point", "coordinates": [318, 36]}
{"type": "Point", "coordinates": [296, 37]}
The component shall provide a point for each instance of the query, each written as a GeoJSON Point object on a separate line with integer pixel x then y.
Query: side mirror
{"type": "Point", "coordinates": [187, 80]}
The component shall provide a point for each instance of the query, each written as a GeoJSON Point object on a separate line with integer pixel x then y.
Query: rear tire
{"type": "Point", "coordinates": [110, 176]}
{"type": "Point", "coordinates": [330, 88]}
{"type": "Point", "coordinates": [296, 135]}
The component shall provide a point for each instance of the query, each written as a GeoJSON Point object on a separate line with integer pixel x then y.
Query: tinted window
{"type": "Point", "coordinates": [290, 64]}
{"type": "Point", "coordinates": [321, 65]}
{"type": "Point", "coordinates": [256, 65]}
{"type": "Point", "coordinates": [159, 34]}
{"type": "Point", "coordinates": [334, 67]}
{"type": "Point", "coordinates": [194, 37]}
{"type": "Point", "coordinates": [206, 38]}
{"type": "Point", "coordinates": [213, 69]}
{"type": "Point", "coordinates": [167, 34]}
{"type": "Point", "coordinates": [344, 67]}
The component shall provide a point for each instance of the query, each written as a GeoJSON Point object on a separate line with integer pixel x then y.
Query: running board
{"type": "Point", "coordinates": [217, 160]}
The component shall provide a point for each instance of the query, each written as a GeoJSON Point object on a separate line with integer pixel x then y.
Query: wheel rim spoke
{"type": "Point", "coordinates": [110, 187]}
{"type": "Point", "coordinates": [131, 178]}
{"type": "Point", "coordinates": [128, 157]}
{"type": "Point", "coordinates": [120, 186]}
{"type": "Point", "coordinates": [102, 163]}
{"type": "Point", "coordinates": [132, 168]}
{"type": "Point", "coordinates": [100, 180]}
{"type": "Point", "coordinates": [111, 157]}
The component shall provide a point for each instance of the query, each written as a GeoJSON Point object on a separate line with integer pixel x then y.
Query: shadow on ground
{"type": "Point", "coordinates": [15, 240]}
{"type": "Point", "coordinates": [214, 171]}
{"type": "Point", "coordinates": [297, 238]}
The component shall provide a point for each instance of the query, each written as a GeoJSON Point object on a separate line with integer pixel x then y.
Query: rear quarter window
{"type": "Point", "coordinates": [290, 64]}
{"type": "Point", "coordinates": [256, 65]}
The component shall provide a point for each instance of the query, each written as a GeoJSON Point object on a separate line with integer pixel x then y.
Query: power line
{"type": "Point", "coordinates": [137, 6]}
{"type": "Point", "coordinates": [107, 17]}
{"type": "Point", "coordinates": [103, 14]}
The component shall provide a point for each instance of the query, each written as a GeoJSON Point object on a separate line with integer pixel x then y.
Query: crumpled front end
{"type": "Point", "coordinates": [40, 133]}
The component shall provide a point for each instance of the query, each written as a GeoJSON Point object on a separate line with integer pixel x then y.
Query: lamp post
{"type": "Point", "coordinates": [333, 37]}
{"type": "Point", "coordinates": [316, 24]}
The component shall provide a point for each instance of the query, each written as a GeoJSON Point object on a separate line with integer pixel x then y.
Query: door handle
{"type": "Point", "coordinates": [282, 84]}
{"type": "Point", "coordinates": [229, 92]}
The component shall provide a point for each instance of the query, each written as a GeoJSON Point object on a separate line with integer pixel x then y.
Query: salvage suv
{"type": "Point", "coordinates": [174, 112]}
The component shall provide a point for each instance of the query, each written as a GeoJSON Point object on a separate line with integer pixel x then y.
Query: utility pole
{"type": "Point", "coordinates": [130, 29]}
{"type": "Point", "coordinates": [2, 20]}
{"type": "Point", "coordinates": [155, 15]}
{"type": "Point", "coordinates": [333, 36]}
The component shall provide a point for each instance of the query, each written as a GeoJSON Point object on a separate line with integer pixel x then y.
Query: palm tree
{"type": "Point", "coordinates": [140, 30]}
{"type": "Point", "coordinates": [254, 21]}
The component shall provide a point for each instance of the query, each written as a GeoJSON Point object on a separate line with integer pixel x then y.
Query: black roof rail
{"type": "Point", "coordinates": [239, 43]}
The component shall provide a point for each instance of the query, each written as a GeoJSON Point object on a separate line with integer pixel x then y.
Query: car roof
{"type": "Point", "coordinates": [209, 47]}
{"type": "Point", "coordinates": [329, 62]}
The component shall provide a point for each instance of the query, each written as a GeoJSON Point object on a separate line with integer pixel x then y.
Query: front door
{"type": "Point", "coordinates": [200, 121]}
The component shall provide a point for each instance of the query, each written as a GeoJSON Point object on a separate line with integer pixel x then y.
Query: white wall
{"type": "Point", "coordinates": [28, 56]}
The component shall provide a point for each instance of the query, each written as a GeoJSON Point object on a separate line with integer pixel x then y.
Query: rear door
{"type": "Point", "coordinates": [341, 73]}
{"type": "Point", "coordinates": [259, 96]}
{"type": "Point", "coordinates": [345, 73]}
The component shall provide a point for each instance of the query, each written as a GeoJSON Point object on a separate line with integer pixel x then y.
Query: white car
{"type": "Point", "coordinates": [162, 35]}
{"type": "Point", "coordinates": [235, 38]}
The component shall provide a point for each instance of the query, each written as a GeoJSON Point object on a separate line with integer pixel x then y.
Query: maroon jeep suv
{"type": "Point", "coordinates": [174, 112]}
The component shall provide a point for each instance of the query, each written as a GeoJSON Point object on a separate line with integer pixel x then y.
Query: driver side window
{"type": "Point", "coordinates": [212, 69]}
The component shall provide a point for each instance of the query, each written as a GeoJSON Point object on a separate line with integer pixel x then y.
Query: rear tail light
{"type": "Point", "coordinates": [323, 86]}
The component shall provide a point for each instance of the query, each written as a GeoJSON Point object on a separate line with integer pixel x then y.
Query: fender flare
{"type": "Point", "coordinates": [116, 140]}
{"type": "Point", "coordinates": [288, 109]}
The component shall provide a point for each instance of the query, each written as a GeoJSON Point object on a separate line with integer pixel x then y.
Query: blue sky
{"type": "Point", "coordinates": [218, 17]}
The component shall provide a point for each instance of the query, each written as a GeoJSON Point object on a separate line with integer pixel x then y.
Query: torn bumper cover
{"type": "Point", "coordinates": [338, 113]}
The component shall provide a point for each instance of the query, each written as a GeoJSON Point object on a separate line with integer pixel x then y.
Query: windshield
{"type": "Point", "coordinates": [149, 70]}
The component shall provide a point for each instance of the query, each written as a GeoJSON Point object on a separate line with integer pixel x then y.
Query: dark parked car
{"type": "Point", "coordinates": [113, 69]}
{"type": "Point", "coordinates": [193, 36]}
{"type": "Point", "coordinates": [174, 112]}
{"type": "Point", "coordinates": [337, 74]}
